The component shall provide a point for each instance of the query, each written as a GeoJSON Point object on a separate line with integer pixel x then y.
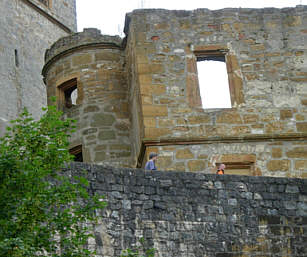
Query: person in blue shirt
{"type": "Point", "coordinates": [151, 165]}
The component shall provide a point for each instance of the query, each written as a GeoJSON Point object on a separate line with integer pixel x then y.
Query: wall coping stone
{"type": "Point", "coordinates": [89, 37]}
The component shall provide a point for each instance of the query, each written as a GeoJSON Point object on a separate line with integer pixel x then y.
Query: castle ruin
{"type": "Point", "coordinates": [141, 94]}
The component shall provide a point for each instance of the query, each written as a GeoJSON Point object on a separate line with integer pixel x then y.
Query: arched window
{"type": "Point", "coordinates": [68, 93]}
{"type": "Point", "coordinates": [77, 152]}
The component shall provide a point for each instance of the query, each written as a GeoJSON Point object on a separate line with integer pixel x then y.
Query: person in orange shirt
{"type": "Point", "coordinates": [221, 169]}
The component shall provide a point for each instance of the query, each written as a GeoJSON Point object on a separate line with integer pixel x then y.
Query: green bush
{"type": "Point", "coordinates": [42, 212]}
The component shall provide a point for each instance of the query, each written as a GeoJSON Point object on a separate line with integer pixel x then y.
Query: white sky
{"type": "Point", "coordinates": [109, 17]}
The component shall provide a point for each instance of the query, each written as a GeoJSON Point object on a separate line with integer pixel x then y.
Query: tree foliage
{"type": "Point", "coordinates": [42, 212]}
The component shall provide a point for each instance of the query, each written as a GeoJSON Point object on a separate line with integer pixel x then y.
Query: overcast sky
{"type": "Point", "coordinates": [109, 17]}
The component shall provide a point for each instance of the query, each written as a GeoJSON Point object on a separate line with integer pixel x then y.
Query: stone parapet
{"type": "Point", "coordinates": [89, 37]}
{"type": "Point", "coordinates": [192, 214]}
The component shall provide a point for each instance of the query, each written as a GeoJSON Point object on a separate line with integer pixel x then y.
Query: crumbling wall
{"type": "Point", "coordinates": [196, 214]}
{"type": "Point", "coordinates": [265, 53]}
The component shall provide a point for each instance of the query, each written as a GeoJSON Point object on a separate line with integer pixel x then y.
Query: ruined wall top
{"type": "Point", "coordinates": [88, 37]}
{"type": "Point", "coordinates": [167, 14]}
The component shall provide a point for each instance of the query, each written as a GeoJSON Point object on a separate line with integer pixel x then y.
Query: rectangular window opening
{"type": "Point", "coordinates": [16, 58]}
{"type": "Point", "coordinates": [77, 153]}
{"type": "Point", "coordinates": [213, 81]}
{"type": "Point", "coordinates": [238, 168]}
{"type": "Point", "coordinates": [69, 93]}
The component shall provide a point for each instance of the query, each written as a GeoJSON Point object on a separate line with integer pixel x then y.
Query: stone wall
{"type": "Point", "coordinates": [194, 214]}
{"type": "Point", "coordinates": [28, 28]}
{"type": "Point", "coordinates": [96, 63]}
{"type": "Point", "coordinates": [265, 53]}
{"type": "Point", "coordinates": [281, 159]}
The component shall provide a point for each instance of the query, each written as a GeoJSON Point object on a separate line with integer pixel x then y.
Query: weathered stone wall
{"type": "Point", "coordinates": [26, 31]}
{"type": "Point", "coordinates": [136, 118]}
{"type": "Point", "coordinates": [195, 214]}
{"type": "Point", "coordinates": [97, 63]}
{"type": "Point", "coordinates": [281, 159]}
{"type": "Point", "coordinates": [265, 51]}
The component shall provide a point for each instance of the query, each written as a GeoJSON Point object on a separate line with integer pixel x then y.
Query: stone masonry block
{"type": "Point", "coordinates": [184, 154]}
{"type": "Point", "coordinates": [297, 152]}
{"type": "Point", "coordinates": [196, 165]}
{"type": "Point", "coordinates": [81, 59]}
{"type": "Point", "coordinates": [278, 165]}
{"type": "Point", "coordinates": [229, 117]}
{"type": "Point", "coordinates": [301, 165]}
{"type": "Point", "coordinates": [301, 127]}
{"type": "Point", "coordinates": [155, 110]}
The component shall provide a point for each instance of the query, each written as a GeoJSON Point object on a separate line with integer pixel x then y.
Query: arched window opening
{"type": "Point", "coordinates": [69, 93]}
{"type": "Point", "coordinates": [77, 152]}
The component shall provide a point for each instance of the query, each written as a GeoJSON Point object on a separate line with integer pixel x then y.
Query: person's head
{"type": "Point", "coordinates": [222, 166]}
{"type": "Point", "coordinates": [153, 156]}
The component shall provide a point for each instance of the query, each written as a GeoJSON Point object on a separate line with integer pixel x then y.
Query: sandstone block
{"type": "Point", "coordinates": [101, 120]}
{"type": "Point", "coordinates": [120, 147]}
{"type": "Point", "coordinates": [239, 130]}
{"type": "Point", "coordinates": [229, 117]}
{"type": "Point", "coordinates": [297, 152]}
{"type": "Point", "coordinates": [91, 108]}
{"type": "Point", "coordinates": [250, 118]}
{"type": "Point", "coordinates": [145, 78]}
{"type": "Point", "coordinates": [122, 125]}
{"type": "Point", "coordinates": [178, 166]}
{"type": "Point", "coordinates": [301, 127]}
{"type": "Point", "coordinates": [164, 123]}
{"type": "Point", "coordinates": [106, 135]}
{"type": "Point", "coordinates": [276, 152]}
{"type": "Point", "coordinates": [285, 114]}
{"type": "Point", "coordinates": [258, 47]}
{"type": "Point", "coordinates": [81, 59]}
{"type": "Point", "coordinates": [100, 156]}
{"type": "Point", "coordinates": [292, 21]}
{"type": "Point", "coordinates": [152, 89]}
{"type": "Point", "coordinates": [89, 131]}
{"type": "Point", "coordinates": [107, 56]}
{"type": "Point", "coordinates": [209, 47]}
{"type": "Point", "coordinates": [278, 165]}
{"type": "Point", "coordinates": [100, 148]}
{"type": "Point", "coordinates": [243, 158]}
{"type": "Point", "coordinates": [184, 154]}
{"type": "Point", "coordinates": [156, 132]}
{"type": "Point", "coordinates": [147, 99]}
{"type": "Point", "coordinates": [301, 165]}
{"type": "Point", "coordinates": [196, 165]}
{"type": "Point", "coordinates": [164, 162]}
{"type": "Point", "coordinates": [150, 122]}
{"type": "Point", "coordinates": [162, 25]}
{"type": "Point", "coordinates": [150, 68]}
{"type": "Point", "coordinates": [299, 117]}
{"type": "Point", "coordinates": [155, 110]}
{"type": "Point", "coordinates": [203, 118]}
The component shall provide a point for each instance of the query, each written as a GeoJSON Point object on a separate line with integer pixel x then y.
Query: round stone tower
{"type": "Point", "coordinates": [85, 71]}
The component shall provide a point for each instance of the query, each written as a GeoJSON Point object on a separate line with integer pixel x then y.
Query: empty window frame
{"type": "Point", "coordinates": [68, 93]}
{"type": "Point", "coordinates": [77, 153]}
{"type": "Point", "coordinates": [213, 80]}
{"type": "Point", "coordinates": [238, 168]}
